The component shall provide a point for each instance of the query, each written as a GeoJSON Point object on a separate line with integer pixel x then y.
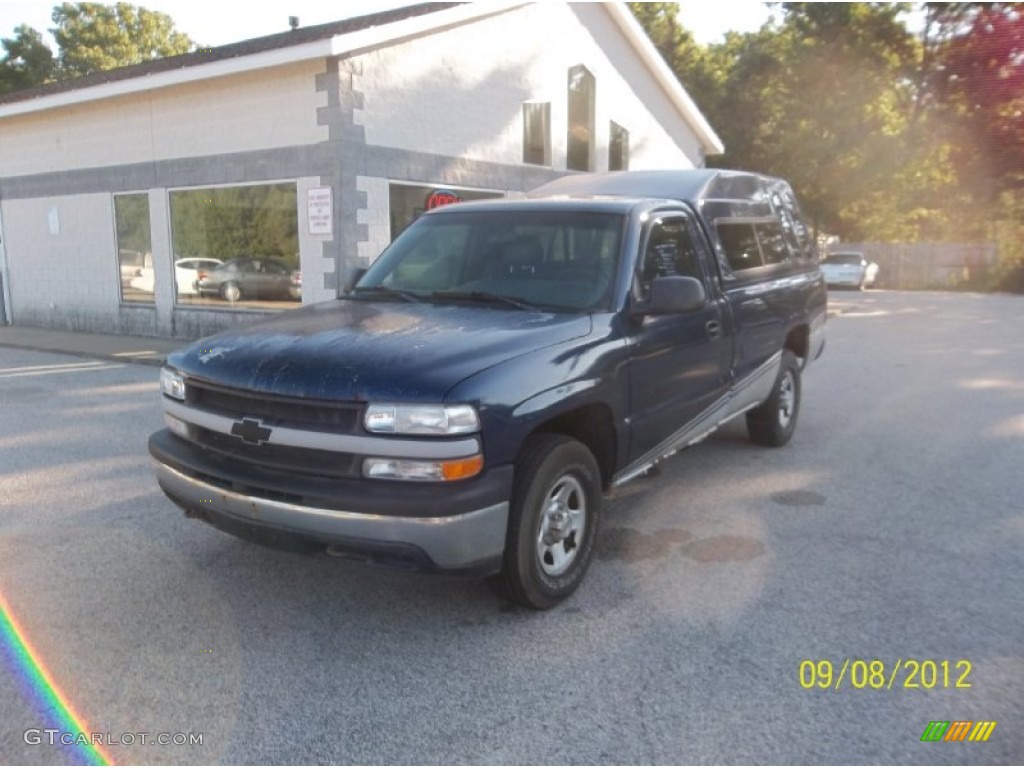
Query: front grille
{"type": "Point", "coordinates": [323, 415]}
{"type": "Point", "coordinates": [306, 461]}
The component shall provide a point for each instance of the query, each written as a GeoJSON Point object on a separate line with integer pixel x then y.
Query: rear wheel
{"type": "Point", "coordinates": [556, 503]}
{"type": "Point", "coordinates": [773, 422]}
{"type": "Point", "coordinates": [230, 292]}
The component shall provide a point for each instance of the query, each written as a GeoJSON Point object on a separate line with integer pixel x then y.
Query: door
{"type": "Point", "coordinates": [679, 364]}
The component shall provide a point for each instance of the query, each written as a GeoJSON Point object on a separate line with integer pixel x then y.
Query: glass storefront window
{"type": "Point", "coordinates": [237, 247]}
{"type": "Point", "coordinates": [134, 247]}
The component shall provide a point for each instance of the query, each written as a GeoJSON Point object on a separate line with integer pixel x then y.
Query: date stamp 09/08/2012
{"type": "Point", "coordinates": [875, 674]}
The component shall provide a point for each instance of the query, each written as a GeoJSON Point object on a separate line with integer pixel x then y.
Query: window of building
{"type": "Point", "coordinates": [537, 132]}
{"type": "Point", "coordinates": [409, 201]}
{"type": "Point", "coordinates": [580, 139]}
{"type": "Point", "coordinates": [237, 247]}
{"type": "Point", "coordinates": [134, 247]}
{"type": "Point", "coordinates": [618, 148]}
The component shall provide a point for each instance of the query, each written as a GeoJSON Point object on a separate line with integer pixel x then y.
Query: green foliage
{"type": "Point", "coordinates": [885, 134]}
{"type": "Point", "coordinates": [91, 37]}
{"type": "Point", "coordinates": [27, 60]}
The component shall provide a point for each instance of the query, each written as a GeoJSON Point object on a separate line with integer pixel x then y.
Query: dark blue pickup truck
{"type": "Point", "coordinates": [496, 370]}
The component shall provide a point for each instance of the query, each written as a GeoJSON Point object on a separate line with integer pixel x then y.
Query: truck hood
{"type": "Point", "coordinates": [359, 350]}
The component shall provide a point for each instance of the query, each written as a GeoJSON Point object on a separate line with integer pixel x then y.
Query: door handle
{"type": "Point", "coordinates": [714, 328]}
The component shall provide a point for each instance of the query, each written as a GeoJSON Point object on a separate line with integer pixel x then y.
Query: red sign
{"type": "Point", "coordinates": [440, 197]}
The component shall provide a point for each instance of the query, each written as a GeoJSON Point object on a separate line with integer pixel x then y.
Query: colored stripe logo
{"type": "Point", "coordinates": [958, 730]}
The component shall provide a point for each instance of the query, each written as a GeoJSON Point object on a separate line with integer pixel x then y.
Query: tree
{"type": "Point", "coordinates": [90, 37]}
{"type": "Point", "coordinates": [823, 98]}
{"type": "Point", "coordinates": [27, 60]}
{"type": "Point", "coordinates": [94, 37]}
{"type": "Point", "coordinates": [979, 79]}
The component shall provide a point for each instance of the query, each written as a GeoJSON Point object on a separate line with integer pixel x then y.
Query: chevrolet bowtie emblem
{"type": "Point", "coordinates": [251, 431]}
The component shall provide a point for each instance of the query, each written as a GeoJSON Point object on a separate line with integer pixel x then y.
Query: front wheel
{"type": "Point", "coordinates": [556, 504]}
{"type": "Point", "coordinates": [773, 422]}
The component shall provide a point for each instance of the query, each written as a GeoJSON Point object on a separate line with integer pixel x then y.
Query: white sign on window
{"type": "Point", "coordinates": [321, 211]}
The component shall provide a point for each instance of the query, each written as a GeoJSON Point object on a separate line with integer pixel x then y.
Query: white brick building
{"type": "Point", "coordinates": [108, 182]}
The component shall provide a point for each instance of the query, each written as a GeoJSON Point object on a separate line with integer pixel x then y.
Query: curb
{"type": "Point", "coordinates": [135, 358]}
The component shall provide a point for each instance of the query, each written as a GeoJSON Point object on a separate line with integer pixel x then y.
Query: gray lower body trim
{"type": "Point", "coordinates": [452, 542]}
{"type": "Point", "coordinates": [817, 343]}
{"type": "Point", "coordinates": [743, 396]}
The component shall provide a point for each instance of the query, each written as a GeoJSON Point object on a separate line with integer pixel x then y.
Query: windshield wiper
{"type": "Point", "coordinates": [384, 290]}
{"type": "Point", "coordinates": [487, 298]}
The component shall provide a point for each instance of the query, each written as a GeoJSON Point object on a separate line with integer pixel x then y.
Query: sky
{"type": "Point", "coordinates": [218, 22]}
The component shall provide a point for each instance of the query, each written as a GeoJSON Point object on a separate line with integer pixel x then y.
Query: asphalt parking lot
{"type": "Point", "coordinates": [889, 530]}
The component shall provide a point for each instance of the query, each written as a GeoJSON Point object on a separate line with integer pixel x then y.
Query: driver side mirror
{"type": "Point", "coordinates": [673, 295]}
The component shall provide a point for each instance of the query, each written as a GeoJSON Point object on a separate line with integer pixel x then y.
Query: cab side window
{"type": "Point", "coordinates": [740, 245]}
{"type": "Point", "coordinates": [669, 250]}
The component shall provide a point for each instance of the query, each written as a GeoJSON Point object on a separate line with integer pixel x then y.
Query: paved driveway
{"type": "Point", "coordinates": [890, 529]}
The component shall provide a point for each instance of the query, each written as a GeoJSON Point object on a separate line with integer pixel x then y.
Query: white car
{"type": "Point", "coordinates": [186, 273]}
{"type": "Point", "coordinates": [848, 269]}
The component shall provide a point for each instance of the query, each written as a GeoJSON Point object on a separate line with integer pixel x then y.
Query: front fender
{"type": "Point", "coordinates": [518, 396]}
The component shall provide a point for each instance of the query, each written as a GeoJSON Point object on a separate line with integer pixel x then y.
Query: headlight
{"type": "Point", "coordinates": [172, 383]}
{"type": "Point", "coordinates": [421, 419]}
{"type": "Point", "coordinates": [428, 471]}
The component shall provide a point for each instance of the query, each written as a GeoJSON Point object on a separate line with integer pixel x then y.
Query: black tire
{"type": "Point", "coordinates": [533, 572]}
{"type": "Point", "coordinates": [773, 422]}
{"type": "Point", "coordinates": [231, 292]}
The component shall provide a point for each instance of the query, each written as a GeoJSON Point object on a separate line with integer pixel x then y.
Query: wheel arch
{"type": "Point", "coordinates": [798, 341]}
{"type": "Point", "coordinates": [592, 425]}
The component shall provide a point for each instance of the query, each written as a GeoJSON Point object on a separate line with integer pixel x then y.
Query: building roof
{"type": "Point", "coordinates": [333, 39]}
{"type": "Point", "coordinates": [287, 39]}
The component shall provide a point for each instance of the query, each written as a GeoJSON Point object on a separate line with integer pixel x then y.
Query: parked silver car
{"type": "Point", "coordinates": [849, 269]}
{"type": "Point", "coordinates": [252, 278]}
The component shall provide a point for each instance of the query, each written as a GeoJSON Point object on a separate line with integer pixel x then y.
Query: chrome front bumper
{"type": "Point", "coordinates": [451, 543]}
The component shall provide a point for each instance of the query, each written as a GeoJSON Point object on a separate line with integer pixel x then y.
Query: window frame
{"type": "Point", "coordinates": [589, 93]}
{"type": "Point", "coordinates": [764, 266]}
{"type": "Point", "coordinates": [657, 218]}
{"type": "Point", "coordinates": [136, 303]}
{"type": "Point", "coordinates": [615, 130]}
{"type": "Point", "coordinates": [541, 111]}
{"type": "Point", "coordinates": [245, 305]}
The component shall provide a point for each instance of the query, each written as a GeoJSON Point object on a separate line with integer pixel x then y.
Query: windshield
{"type": "Point", "coordinates": [556, 261]}
{"type": "Point", "coordinates": [843, 258]}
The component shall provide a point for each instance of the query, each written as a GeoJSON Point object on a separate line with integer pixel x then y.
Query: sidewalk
{"type": "Point", "coordinates": [128, 349]}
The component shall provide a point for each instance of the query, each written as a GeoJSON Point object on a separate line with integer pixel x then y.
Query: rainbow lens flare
{"type": "Point", "coordinates": [45, 694]}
